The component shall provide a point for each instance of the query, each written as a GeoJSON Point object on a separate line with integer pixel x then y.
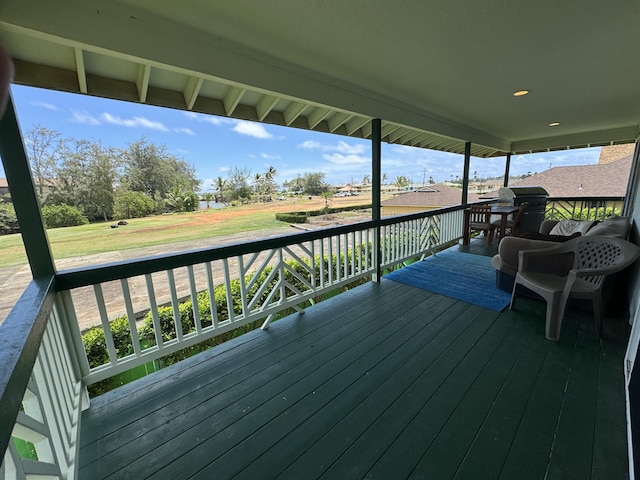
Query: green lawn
{"type": "Point", "coordinates": [142, 232]}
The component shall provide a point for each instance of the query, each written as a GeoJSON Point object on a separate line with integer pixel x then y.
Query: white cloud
{"type": "Point", "coordinates": [356, 148]}
{"type": "Point", "coordinates": [310, 145]}
{"type": "Point", "coordinates": [252, 129]}
{"type": "Point", "coordinates": [218, 121]}
{"type": "Point", "coordinates": [266, 156]}
{"type": "Point", "coordinates": [84, 118]}
{"type": "Point", "coordinates": [340, 159]}
{"type": "Point", "coordinates": [134, 122]}
{"type": "Point", "coordinates": [188, 131]}
{"type": "Point", "coordinates": [48, 106]}
{"type": "Point", "coordinates": [341, 146]}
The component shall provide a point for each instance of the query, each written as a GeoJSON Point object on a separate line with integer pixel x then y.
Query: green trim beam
{"type": "Point", "coordinates": [465, 173]}
{"type": "Point", "coordinates": [23, 194]}
{"type": "Point", "coordinates": [376, 167]}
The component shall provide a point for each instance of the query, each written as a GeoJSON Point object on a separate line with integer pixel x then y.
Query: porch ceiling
{"type": "Point", "coordinates": [438, 73]}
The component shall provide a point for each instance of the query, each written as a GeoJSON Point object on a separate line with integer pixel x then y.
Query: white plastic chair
{"type": "Point", "coordinates": [594, 257]}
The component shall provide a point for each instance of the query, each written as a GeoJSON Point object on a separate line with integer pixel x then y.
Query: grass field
{"type": "Point", "coordinates": [164, 229]}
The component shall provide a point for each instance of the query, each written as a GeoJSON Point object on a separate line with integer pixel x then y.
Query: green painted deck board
{"type": "Point", "coordinates": [385, 381]}
{"type": "Point", "coordinates": [220, 407]}
{"type": "Point", "coordinates": [355, 425]}
{"type": "Point", "coordinates": [528, 456]}
{"type": "Point", "coordinates": [324, 408]}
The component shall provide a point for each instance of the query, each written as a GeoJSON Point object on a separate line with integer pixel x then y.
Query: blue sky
{"type": "Point", "coordinates": [215, 144]}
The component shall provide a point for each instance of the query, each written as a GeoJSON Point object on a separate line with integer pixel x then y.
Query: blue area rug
{"type": "Point", "coordinates": [463, 276]}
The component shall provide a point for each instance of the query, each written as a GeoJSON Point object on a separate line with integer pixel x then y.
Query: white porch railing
{"type": "Point", "coordinates": [206, 293]}
{"type": "Point", "coordinates": [414, 235]}
{"type": "Point", "coordinates": [44, 439]}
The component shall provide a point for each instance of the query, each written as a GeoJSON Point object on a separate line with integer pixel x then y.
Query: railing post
{"type": "Point", "coordinates": [465, 173]}
{"type": "Point", "coordinates": [507, 167]}
{"type": "Point", "coordinates": [632, 186]}
{"type": "Point", "coordinates": [376, 162]}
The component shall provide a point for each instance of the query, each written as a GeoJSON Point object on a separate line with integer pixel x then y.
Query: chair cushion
{"type": "Point", "coordinates": [569, 227]}
{"type": "Point", "coordinates": [612, 227]}
{"type": "Point", "coordinates": [549, 237]}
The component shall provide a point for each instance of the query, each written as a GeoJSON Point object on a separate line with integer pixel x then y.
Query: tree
{"type": "Point", "coordinates": [296, 185]}
{"type": "Point", "coordinates": [401, 182]}
{"type": "Point", "coordinates": [207, 197]}
{"type": "Point", "coordinates": [269, 185]}
{"type": "Point", "coordinates": [130, 204]}
{"type": "Point", "coordinates": [149, 169]}
{"type": "Point", "coordinates": [314, 183]}
{"type": "Point", "coordinates": [220, 186]}
{"type": "Point", "coordinates": [181, 199]}
{"type": "Point", "coordinates": [384, 178]}
{"type": "Point", "coordinates": [85, 177]}
{"type": "Point", "coordinates": [257, 183]}
{"type": "Point", "coordinates": [366, 179]}
{"type": "Point", "coordinates": [327, 202]}
{"type": "Point", "coordinates": [102, 175]}
{"type": "Point", "coordinates": [43, 146]}
{"type": "Point", "coordinates": [237, 184]}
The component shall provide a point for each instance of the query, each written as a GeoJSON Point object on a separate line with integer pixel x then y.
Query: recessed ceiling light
{"type": "Point", "coordinates": [521, 93]}
{"type": "Point", "coordinates": [554, 124]}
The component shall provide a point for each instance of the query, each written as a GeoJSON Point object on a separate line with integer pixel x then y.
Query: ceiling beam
{"type": "Point", "coordinates": [338, 119]}
{"type": "Point", "coordinates": [232, 99]}
{"type": "Point", "coordinates": [316, 116]}
{"type": "Point", "coordinates": [293, 111]}
{"type": "Point", "coordinates": [82, 74]}
{"type": "Point", "coordinates": [265, 106]}
{"type": "Point", "coordinates": [191, 91]}
{"type": "Point", "coordinates": [142, 81]}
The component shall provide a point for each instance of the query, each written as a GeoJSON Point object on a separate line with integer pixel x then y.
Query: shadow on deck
{"type": "Point", "coordinates": [385, 381]}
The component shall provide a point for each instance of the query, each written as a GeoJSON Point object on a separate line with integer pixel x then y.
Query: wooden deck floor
{"type": "Point", "coordinates": [386, 381]}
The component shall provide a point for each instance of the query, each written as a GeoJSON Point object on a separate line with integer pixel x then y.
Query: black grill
{"type": "Point", "coordinates": [536, 200]}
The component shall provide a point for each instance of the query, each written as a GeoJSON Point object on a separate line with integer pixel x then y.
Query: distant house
{"type": "Point", "coordinates": [425, 198]}
{"type": "Point", "coordinates": [48, 186]}
{"type": "Point", "coordinates": [586, 181]}
{"type": "Point", "coordinates": [599, 180]}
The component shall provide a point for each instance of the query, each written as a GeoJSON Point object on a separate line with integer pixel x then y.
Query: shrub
{"type": "Point", "coordinates": [8, 219]}
{"type": "Point", "coordinates": [96, 346]}
{"type": "Point", "coordinates": [130, 204]}
{"type": "Point", "coordinates": [292, 217]}
{"type": "Point", "coordinates": [56, 216]}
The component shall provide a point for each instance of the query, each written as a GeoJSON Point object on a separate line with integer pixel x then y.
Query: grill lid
{"type": "Point", "coordinates": [506, 194]}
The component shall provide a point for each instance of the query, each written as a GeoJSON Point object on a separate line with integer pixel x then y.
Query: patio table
{"type": "Point", "coordinates": [503, 210]}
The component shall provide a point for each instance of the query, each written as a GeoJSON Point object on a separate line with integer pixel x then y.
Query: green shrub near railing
{"type": "Point", "coordinates": [94, 338]}
{"type": "Point", "coordinates": [599, 213]}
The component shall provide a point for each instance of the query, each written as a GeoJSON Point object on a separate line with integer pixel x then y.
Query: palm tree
{"type": "Point", "coordinates": [270, 173]}
{"type": "Point", "coordinates": [401, 181]}
{"type": "Point", "coordinates": [257, 181]}
{"type": "Point", "coordinates": [207, 197]}
{"type": "Point", "coordinates": [220, 184]}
